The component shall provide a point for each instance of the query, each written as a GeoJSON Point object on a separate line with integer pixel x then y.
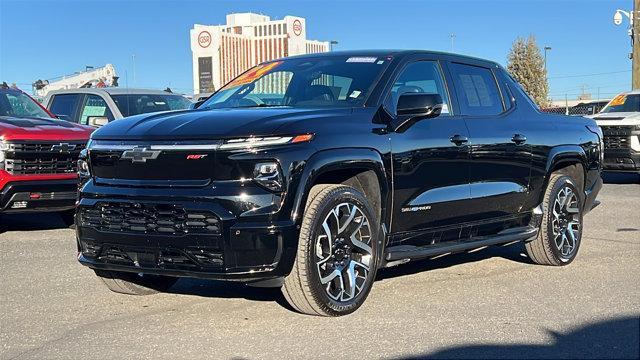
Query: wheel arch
{"type": "Point", "coordinates": [360, 168]}
{"type": "Point", "coordinates": [570, 160]}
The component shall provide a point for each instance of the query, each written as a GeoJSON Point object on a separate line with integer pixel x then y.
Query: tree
{"type": "Point", "coordinates": [526, 65]}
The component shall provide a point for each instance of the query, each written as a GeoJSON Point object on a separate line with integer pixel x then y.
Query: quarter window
{"type": "Point", "coordinates": [420, 77]}
{"type": "Point", "coordinates": [477, 90]}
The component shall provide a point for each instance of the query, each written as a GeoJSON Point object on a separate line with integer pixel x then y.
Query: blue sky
{"type": "Point", "coordinates": [52, 38]}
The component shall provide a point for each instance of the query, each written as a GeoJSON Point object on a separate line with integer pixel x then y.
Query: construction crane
{"type": "Point", "coordinates": [104, 76]}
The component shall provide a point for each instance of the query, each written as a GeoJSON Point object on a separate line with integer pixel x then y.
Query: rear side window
{"type": "Point", "coordinates": [65, 106]}
{"type": "Point", "coordinates": [477, 90]}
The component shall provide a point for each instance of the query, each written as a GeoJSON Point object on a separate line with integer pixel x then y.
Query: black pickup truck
{"type": "Point", "coordinates": [313, 172]}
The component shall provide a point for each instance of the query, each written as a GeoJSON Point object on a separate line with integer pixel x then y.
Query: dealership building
{"type": "Point", "coordinates": [222, 52]}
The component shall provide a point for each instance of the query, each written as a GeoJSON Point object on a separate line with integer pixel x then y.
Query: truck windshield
{"type": "Point", "coordinates": [623, 103]}
{"type": "Point", "coordinates": [135, 104]}
{"type": "Point", "coordinates": [17, 104]}
{"type": "Point", "coordinates": [327, 81]}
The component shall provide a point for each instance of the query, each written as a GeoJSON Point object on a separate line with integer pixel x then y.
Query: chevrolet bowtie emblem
{"type": "Point", "coordinates": [63, 147]}
{"type": "Point", "coordinates": [140, 154]}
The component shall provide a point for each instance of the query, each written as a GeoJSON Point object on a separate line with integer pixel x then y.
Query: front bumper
{"type": "Point", "coordinates": [621, 160]}
{"type": "Point", "coordinates": [154, 234]}
{"type": "Point", "coordinates": [38, 196]}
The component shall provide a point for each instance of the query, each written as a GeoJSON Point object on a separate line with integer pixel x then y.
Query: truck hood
{"type": "Point", "coordinates": [619, 119]}
{"type": "Point", "coordinates": [209, 124]}
{"type": "Point", "coordinates": [12, 128]}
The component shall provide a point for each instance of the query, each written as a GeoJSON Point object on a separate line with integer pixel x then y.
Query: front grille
{"type": "Point", "coordinates": [37, 158]}
{"type": "Point", "coordinates": [163, 219]}
{"type": "Point", "coordinates": [616, 142]}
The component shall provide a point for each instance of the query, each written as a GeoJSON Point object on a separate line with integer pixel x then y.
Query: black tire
{"type": "Point", "coordinates": [135, 284]}
{"type": "Point", "coordinates": [302, 288]}
{"type": "Point", "coordinates": [69, 218]}
{"type": "Point", "coordinates": [544, 249]}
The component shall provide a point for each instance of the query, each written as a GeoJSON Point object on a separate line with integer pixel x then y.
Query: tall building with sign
{"type": "Point", "coordinates": [222, 52]}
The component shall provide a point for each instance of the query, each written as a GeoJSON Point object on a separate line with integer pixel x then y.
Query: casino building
{"type": "Point", "coordinates": [222, 52]}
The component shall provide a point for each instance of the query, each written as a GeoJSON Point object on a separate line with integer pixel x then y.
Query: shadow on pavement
{"type": "Point", "coordinates": [620, 178]}
{"type": "Point", "coordinates": [30, 222]}
{"type": "Point", "coordinates": [228, 290]}
{"type": "Point", "coordinates": [612, 339]}
{"type": "Point", "coordinates": [514, 252]}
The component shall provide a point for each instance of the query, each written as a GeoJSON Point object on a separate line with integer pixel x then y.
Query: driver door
{"type": "Point", "coordinates": [430, 164]}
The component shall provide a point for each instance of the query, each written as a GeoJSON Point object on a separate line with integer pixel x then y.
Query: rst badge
{"type": "Point", "coordinates": [140, 154]}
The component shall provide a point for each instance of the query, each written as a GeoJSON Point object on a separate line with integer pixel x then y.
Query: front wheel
{"type": "Point", "coordinates": [560, 234]}
{"type": "Point", "coordinates": [336, 262]}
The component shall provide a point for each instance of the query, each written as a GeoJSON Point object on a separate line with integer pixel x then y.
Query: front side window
{"type": "Point", "coordinates": [420, 77]}
{"type": "Point", "coordinates": [477, 90]}
{"type": "Point", "coordinates": [65, 106]}
{"type": "Point", "coordinates": [623, 103]}
{"type": "Point", "coordinates": [328, 81]}
{"type": "Point", "coordinates": [135, 104]}
{"type": "Point", "coordinates": [15, 103]}
{"type": "Point", "coordinates": [94, 106]}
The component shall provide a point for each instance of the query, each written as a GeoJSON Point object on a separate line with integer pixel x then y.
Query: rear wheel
{"type": "Point", "coordinates": [336, 261]}
{"type": "Point", "coordinates": [560, 234]}
{"type": "Point", "coordinates": [135, 284]}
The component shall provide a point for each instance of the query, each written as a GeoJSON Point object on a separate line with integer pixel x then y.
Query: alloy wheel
{"type": "Point", "coordinates": [343, 252]}
{"type": "Point", "coordinates": [566, 221]}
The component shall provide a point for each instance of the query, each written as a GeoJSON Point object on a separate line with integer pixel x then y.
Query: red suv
{"type": "Point", "coordinates": [38, 157]}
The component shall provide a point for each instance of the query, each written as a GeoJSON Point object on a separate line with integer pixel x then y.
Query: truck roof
{"type": "Point", "coordinates": [390, 52]}
{"type": "Point", "coordinates": [112, 91]}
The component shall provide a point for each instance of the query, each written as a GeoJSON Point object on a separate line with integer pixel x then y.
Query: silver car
{"type": "Point", "coordinates": [98, 106]}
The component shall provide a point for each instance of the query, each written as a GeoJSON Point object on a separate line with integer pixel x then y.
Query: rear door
{"type": "Point", "coordinates": [500, 162]}
{"type": "Point", "coordinates": [65, 106]}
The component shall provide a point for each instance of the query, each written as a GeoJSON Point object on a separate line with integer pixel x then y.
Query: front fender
{"type": "Point", "coordinates": [333, 160]}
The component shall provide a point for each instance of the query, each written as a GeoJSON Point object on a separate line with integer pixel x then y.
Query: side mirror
{"type": "Point", "coordinates": [413, 107]}
{"type": "Point", "coordinates": [97, 121]}
{"type": "Point", "coordinates": [197, 104]}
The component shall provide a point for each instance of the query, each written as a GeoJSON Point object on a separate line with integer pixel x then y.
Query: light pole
{"type": "Point", "coordinates": [331, 43]}
{"type": "Point", "coordinates": [546, 48]}
{"type": "Point", "coordinates": [634, 27]}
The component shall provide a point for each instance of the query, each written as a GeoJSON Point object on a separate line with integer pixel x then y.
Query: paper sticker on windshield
{"type": "Point", "coordinates": [618, 100]}
{"type": "Point", "coordinates": [355, 94]}
{"type": "Point", "coordinates": [362, 59]}
{"type": "Point", "coordinates": [253, 74]}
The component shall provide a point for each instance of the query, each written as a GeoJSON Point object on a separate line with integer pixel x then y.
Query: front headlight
{"type": "Point", "coordinates": [83, 169]}
{"type": "Point", "coordinates": [268, 175]}
{"type": "Point", "coordinates": [3, 147]}
{"type": "Point", "coordinates": [253, 142]}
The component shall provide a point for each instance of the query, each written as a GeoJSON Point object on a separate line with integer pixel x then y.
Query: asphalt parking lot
{"type": "Point", "coordinates": [491, 303]}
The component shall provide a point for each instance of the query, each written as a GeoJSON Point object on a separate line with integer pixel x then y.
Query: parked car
{"type": "Point", "coordinates": [97, 106]}
{"type": "Point", "coordinates": [370, 159]}
{"type": "Point", "coordinates": [38, 157]}
{"type": "Point", "coordinates": [620, 123]}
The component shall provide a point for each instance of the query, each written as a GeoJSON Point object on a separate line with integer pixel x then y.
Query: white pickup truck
{"type": "Point", "coordinates": [620, 123]}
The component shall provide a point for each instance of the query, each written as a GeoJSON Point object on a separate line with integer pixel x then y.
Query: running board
{"type": "Point", "coordinates": [403, 253]}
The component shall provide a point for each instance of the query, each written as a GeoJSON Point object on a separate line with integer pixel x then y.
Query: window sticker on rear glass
{"type": "Point", "coordinates": [618, 100]}
{"type": "Point", "coordinates": [361, 59]}
{"type": "Point", "coordinates": [253, 74]}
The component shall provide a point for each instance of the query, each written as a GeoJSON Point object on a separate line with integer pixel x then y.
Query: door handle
{"type": "Point", "coordinates": [519, 139]}
{"type": "Point", "coordinates": [459, 139]}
